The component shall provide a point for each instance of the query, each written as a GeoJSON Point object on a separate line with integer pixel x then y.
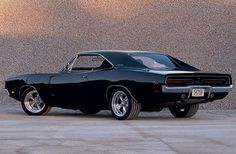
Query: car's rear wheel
{"type": "Point", "coordinates": [123, 106]}
{"type": "Point", "coordinates": [32, 104]}
{"type": "Point", "coordinates": [186, 111]}
{"type": "Point", "coordinates": [89, 110]}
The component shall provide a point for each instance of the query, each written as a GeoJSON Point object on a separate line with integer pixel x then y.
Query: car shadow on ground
{"type": "Point", "coordinates": [73, 114]}
{"type": "Point", "coordinates": [14, 109]}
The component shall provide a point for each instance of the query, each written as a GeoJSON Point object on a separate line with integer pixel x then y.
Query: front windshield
{"type": "Point", "coordinates": [154, 61]}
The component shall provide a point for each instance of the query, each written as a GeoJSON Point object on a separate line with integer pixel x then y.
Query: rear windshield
{"type": "Point", "coordinates": [154, 61]}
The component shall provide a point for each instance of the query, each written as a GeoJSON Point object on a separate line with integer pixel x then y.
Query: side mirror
{"type": "Point", "coordinates": [65, 68]}
{"type": "Point", "coordinates": [68, 66]}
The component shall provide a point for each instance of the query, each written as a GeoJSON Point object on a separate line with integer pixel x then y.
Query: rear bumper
{"type": "Point", "coordinates": [187, 89]}
{"type": "Point", "coordinates": [209, 90]}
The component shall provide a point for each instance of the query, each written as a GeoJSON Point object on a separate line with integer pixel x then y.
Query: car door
{"type": "Point", "coordinates": [69, 88]}
{"type": "Point", "coordinates": [97, 81]}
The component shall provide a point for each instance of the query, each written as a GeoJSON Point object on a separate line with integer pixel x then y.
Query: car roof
{"type": "Point", "coordinates": [117, 51]}
{"type": "Point", "coordinates": [119, 58]}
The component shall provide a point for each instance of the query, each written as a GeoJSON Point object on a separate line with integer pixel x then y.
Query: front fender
{"type": "Point", "coordinates": [41, 82]}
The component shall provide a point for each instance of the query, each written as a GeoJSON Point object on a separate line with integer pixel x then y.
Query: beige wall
{"type": "Point", "coordinates": [39, 36]}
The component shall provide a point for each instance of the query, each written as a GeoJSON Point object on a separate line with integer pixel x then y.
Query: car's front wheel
{"type": "Point", "coordinates": [32, 104]}
{"type": "Point", "coordinates": [123, 106]}
{"type": "Point", "coordinates": [186, 111]}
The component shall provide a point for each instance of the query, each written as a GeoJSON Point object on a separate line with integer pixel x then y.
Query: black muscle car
{"type": "Point", "coordinates": [125, 82]}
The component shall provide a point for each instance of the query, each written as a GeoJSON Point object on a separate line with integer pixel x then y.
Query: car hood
{"type": "Point", "coordinates": [25, 77]}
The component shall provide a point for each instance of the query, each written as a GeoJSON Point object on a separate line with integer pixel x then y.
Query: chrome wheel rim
{"type": "Point", "coordinates": [33, 102]}
{"type": "Point", "coordinates": [120, 103]}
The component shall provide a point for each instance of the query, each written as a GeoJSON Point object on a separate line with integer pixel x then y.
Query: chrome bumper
{"type": "Point", "coordinates": [188, 89]}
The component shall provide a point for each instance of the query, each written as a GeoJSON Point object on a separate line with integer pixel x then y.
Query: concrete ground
{"type": "Point", "coordinates": [66, 131]}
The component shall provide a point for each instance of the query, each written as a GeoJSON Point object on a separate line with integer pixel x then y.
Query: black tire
{"type": "Point", "coordinates": [186, 111]}
{"type": "Point", "coordinates": [130, 107]}
{"type": "Point", "coordinates": [89, 110]}
{"type": "Point", "coordinates": [42, 108]}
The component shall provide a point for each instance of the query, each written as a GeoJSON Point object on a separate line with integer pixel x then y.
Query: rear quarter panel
{"type": "Point", "coordinates": [142, 84]}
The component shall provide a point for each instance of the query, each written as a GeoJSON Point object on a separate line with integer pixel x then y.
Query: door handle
{"type": "Point", "coordinates": [84, 76]}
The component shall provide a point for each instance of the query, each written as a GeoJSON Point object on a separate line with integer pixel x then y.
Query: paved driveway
{"type": "Point", "coordinates": [66, 131]}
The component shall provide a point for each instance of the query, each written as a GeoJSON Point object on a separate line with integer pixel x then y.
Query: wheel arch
{"type": "Point", "coordinates": [25, 88]}
{"type": "Point", "coordinates": [111, 88]}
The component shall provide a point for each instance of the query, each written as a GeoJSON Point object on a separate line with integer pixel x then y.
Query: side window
{"type": "Point", "coordinates": [90, 62]}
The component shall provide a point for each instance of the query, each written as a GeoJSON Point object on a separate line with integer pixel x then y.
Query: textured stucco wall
{"type": "Point", "coordinates": [41, 36]}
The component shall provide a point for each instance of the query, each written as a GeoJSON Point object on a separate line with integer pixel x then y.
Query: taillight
{"type": "Point", "coordinates": [179, 81]}
{"type": "Point", "coordinates": [214, 81]}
